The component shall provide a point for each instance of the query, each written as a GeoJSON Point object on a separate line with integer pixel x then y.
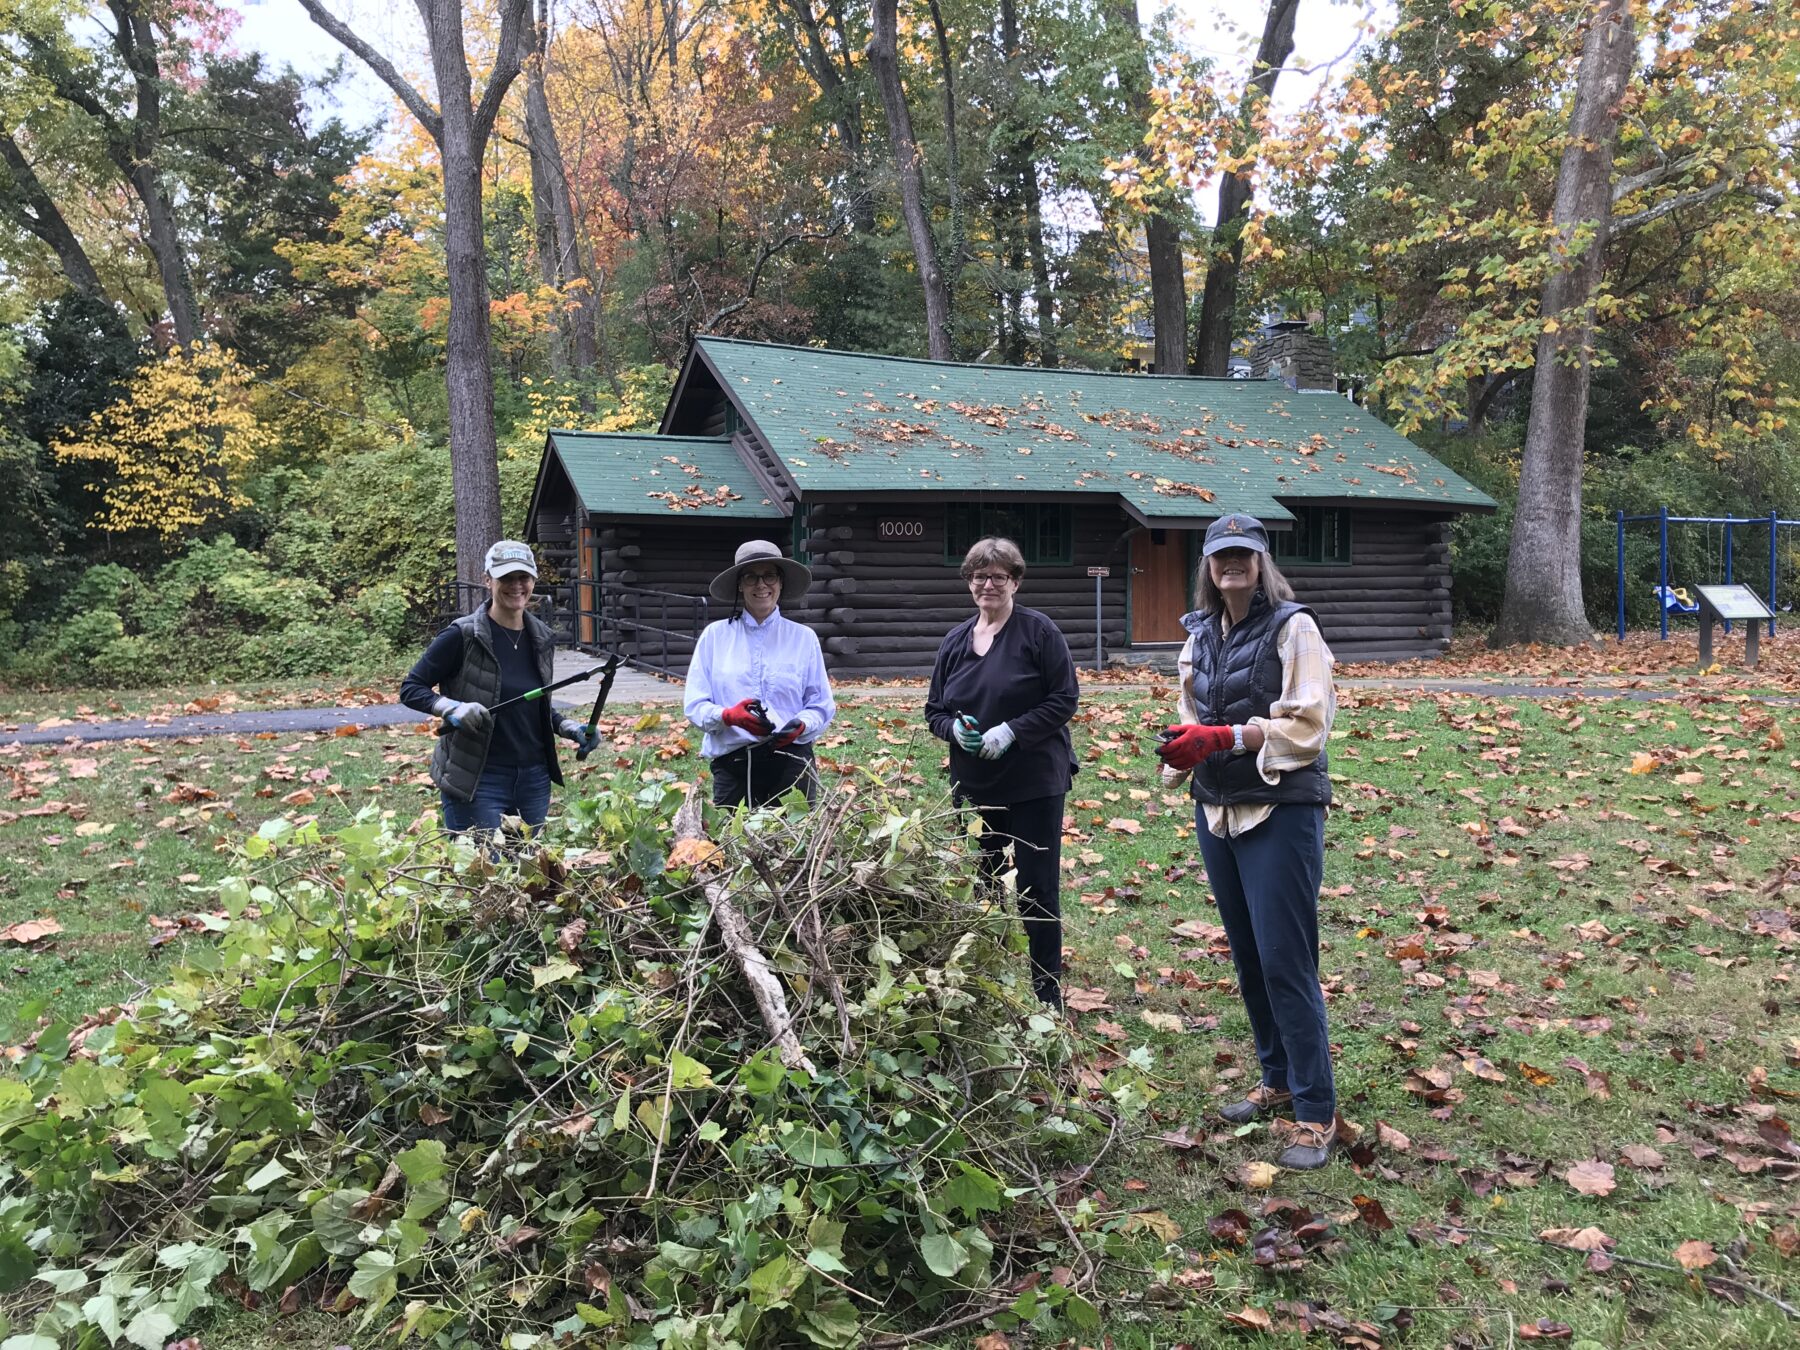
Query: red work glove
{"type": "Point", "coordinates": [788, 734]}
{"type": "Point", "coordinates": [1187, 745]}
{"type": "Point", "coordinates": [748, 716]}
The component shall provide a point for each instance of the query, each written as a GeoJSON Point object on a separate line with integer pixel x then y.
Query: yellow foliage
{"type": "Point", "coordinates": [177, 444]}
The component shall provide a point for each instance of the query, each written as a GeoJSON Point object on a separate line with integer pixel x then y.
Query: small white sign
{"type": "Point", "coordinates": [1099, 571]}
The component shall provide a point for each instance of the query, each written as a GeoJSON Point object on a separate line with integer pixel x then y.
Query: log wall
{"type": "Point", "coordinates": [1392, 601]}
{"type": "Point", "coordinates": [882, 605]}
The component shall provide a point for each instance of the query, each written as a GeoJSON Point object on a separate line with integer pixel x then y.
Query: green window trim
{"type": "Point", "coordinates": [1320, 537]}
{"type": "Point", "coordinates": [1044, 531]}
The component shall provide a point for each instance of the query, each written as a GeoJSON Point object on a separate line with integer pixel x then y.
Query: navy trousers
{"type": "Point", "coordinates": [1267, 886]}
{"type": "Point", "coordinates": [521, 790]}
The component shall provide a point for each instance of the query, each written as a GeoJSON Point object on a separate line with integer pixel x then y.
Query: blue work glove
{"type": "Point", "coordinates": [996, 741]}
{"type": "Point", "coordinates": [968, 733]}
{"type": "Point", "coordinates": [473, 717]}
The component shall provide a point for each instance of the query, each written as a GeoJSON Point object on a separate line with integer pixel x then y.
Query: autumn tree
{"type": "Point", "coordinates": [459, 126]}
{"type": "Point", "coordinates": [1217, 326]}
{"type": "Point", "coordinates": [175, 447]}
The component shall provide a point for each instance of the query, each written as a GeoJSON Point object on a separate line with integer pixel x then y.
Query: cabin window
{"type": "Point", "coordinates": [1044, 533]}
{"type": "Point", "coordinates": [1320, 536]}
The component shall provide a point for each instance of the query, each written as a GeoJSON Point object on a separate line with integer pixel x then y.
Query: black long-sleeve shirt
{"type": "Point", "coordinates": [522, 732]}
{"type": "Point", "coordinates": [1027, 680]}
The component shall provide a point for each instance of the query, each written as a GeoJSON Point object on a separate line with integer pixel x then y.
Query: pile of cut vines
{"type": "Point", "coordinates": [780, 1086]}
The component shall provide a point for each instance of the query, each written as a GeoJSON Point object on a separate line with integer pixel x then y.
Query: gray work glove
{"type": "Point", "coordinates": [586, 738]}
{"type": "Point", "coordinates": [473, 717]}
{"type": "Point", "coordinates": [996, 741]}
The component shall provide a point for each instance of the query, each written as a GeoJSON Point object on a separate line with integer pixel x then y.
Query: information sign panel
{"type": "Point", "coordinates": [1734, 602]}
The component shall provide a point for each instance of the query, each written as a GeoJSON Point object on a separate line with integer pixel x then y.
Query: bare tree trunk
{"type": "Point", "coordinates": [560, 260]}
{"type": "Point", "coordinates": [460, 128]}
{"type": "Point", "coordinates": [959, 235]}
{"type": "Point", "coordinates": [31, 207]}
{"type": "Point", "coordinates": [840, 98]}
{"type": "Point", "coordinates": [1043, 297]}
{"type": "Point", "coordinates": [1018, 161]}
{"type": "Point", "coordinates": [910, 167]}
{"type": "Point", "coordinates": [1218, 298]}
{"type": "Point", "coordinates": [1543, 575]}
{"type": "Point", "coordinates": [1162, 228]}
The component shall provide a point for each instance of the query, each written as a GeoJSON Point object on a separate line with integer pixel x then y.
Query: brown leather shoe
{"type": "Point", "coordinates": [1310, 1147]}
{"type": "Point", "coordinates": [1259, 1101]}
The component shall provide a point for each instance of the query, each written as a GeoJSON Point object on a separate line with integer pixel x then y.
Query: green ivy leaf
{"type": "Point", "coordinates": [269, 1172]}
{"type": "Point", "coordinates": [944, 1254]}
{"type": "Point", "coordinates": [150, 1329]}
{"type": "Point", "coordinates": [561, 968]}
{"type": "Point", "coordinates": [812, 1147]}
{"type": "Point", "coordinates": [831, 1323]}
{"type": "Point", "coordinates": [18, 1263]}
{"type": "Point", "coordinates": [971, 1191]}
{"type": "Point", "coordinates": [774, 1282]}
{"type": "Point", "coordinates": [686, 1073]}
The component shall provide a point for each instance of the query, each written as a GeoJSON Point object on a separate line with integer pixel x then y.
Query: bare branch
{"type": "Point", "coordinates": [1766, 195]}
{"type": "Point", "coordinates": [506, 66]}
{"type": "Point", "coordinates": [1637, 182]}
{"type": "Point", "coordinates": [416, 103]}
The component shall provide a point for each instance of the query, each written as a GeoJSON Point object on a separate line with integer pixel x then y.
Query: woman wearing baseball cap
{"type": "Point", "coordinates": [756, 685]}
{"type": "Point", "coordinates": [1256, 708]}
{"type": "Point", "coordinates": [494, 764]}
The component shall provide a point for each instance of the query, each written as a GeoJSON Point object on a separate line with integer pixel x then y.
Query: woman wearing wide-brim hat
{"type": "Point", "coordinates": [1255, 714]}
{"type": "Point", "coordinates": [756, 685]}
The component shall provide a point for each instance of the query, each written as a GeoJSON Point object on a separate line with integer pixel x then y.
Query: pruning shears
{"type": "Point", "coordinates": [532, 695]}
{"type": "Point", "coordinates": [593, 723]}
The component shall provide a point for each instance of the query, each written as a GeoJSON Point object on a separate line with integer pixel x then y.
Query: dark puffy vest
{"type": "Point", "coordinates": [459, 758]}
{"type": "Point", "coordinates": [1235, 679]}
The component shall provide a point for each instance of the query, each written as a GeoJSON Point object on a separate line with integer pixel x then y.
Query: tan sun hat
{"type": "Point", "coordinates": [795, 577]}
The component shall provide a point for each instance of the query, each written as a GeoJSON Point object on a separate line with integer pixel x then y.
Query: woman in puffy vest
{"type": "Point", "coordinates": [494, 764]}
{"type": "Point", "coordinates": [1256, 709]}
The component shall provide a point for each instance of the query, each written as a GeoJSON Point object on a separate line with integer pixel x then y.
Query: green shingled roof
{"type": "Point", "coordinates": [1174, 447]}
{"type": "Point", "coordinates": [643, 474]}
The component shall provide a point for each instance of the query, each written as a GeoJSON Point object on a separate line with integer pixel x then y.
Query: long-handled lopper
{"type": "Point", "coordinates": [593, 722]}
{"type": "Point", "coordinates": [532, 695]}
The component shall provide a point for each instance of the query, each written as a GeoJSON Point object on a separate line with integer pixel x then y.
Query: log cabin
{"type": "Point", "coordinates": [879, 472]}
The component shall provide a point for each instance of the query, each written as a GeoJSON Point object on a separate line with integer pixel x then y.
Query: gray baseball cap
{"type": "Point", "coordinates": [509, 556]}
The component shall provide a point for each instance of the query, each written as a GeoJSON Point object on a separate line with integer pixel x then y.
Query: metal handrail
{"type": "Point", "coordinates": [653, 630]}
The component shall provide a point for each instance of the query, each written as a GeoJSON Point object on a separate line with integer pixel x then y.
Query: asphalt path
{"type": "Point", "coordinates": [634, 687]}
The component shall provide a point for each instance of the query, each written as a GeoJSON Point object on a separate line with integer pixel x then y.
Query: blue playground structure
{"type": "Point", "coordinates": [1675, 599]}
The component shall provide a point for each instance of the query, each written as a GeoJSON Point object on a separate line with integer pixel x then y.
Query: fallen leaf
{"type": "Point", "coordinates": [1545, 1330]}
{"type": "Point", "coordinates": [1077, 999]}
{"type": "Point", "coordinates": [1581, 1239]}
{"type": "Point", "coordinates": [994, 1340]}
{"type": "Point", "coordinates": [81, 768]}
{"type": "Point", "coordinates": [300, 797]}
{"type": "Point", "coordinates": [694, 853]}
{"type": "Point", "coordinates": [29, 931]}
{"type": "Point", "coordinates": [1254, 1318]}
{"type": "Point", "coordinates": [1642, 762]}
{"type": "Point", "coordinates": [1388, 1137]}
{"type": "Point", "coordinates": [1258, 1176]}
{"type": "Point", "coordinates": [1369, 1210]}
{"type": "Point", "coordinates": [1591, 1177]}
{"type": "Point", "coordinates": [1695, 1255]}
{"type": "Point", "coordinates": [1162, 1021]}
{"type": "Point", "coordinates": [1641, 1155]}
{"type": "Point", "coordinates": [1124, 825]}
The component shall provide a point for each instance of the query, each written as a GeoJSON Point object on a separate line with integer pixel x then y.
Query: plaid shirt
{"type": "Point", "coordinates": [1294, 732]}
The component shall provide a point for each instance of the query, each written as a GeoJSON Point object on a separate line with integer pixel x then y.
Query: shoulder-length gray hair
{"type": "Point", "coordinates": [1277, 588]}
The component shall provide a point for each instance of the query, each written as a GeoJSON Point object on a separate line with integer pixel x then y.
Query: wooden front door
{"type": "Point", "coordinates": [1161, 580]}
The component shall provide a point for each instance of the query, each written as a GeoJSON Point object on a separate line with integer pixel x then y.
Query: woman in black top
{"type": "Point", "coordinates": [494, 763]}
{"type": "Point", "coordinates": [1002, 693]}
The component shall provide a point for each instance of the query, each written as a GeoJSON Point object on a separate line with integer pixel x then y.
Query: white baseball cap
{"type": "Point", "coordinates": [509, 556]}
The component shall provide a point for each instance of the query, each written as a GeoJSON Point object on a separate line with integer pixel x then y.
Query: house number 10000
{"type": "Point", "coordinates": [902, 529]}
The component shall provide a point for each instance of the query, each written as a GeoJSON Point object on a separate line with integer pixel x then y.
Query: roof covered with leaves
{"type": "Point", "coordinates": [642, 474]}
{"type": "Point", "coordinates": [1171, 446]}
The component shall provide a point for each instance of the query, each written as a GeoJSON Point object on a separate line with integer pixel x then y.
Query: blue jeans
{"type": "Point", "coordinates": [521, 790]}
{"type": "Point", "coordinates": [1267, 886]}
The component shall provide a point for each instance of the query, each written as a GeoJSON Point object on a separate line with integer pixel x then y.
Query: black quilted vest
{"type": "Point", "coordinates": [1235, 679]}
{"type": "Point", "coordinates": [459, 758]}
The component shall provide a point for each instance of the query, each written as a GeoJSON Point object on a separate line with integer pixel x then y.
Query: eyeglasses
{"type": "Point", "coordinates": [981, 579]}
{"type": "Point", "coordinates": [762, 578]}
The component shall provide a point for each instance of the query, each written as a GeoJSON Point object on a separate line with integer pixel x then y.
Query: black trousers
{"type": "Point", "coordinates": [759, 774]}
{"type": "Point", "coordinates": [1033, 831]}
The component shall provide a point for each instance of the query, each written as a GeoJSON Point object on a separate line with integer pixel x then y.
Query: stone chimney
{"type": "Point", "coordinates": [1288, 350]}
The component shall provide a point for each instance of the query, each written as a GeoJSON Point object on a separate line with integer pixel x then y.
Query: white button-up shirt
{"type": "Point", "coordinates": [777, 661]}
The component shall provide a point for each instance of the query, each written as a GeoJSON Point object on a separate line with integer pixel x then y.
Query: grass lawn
{"type": "Point", "coordinates": [102, 705]}
{"type": "Point", "coordinates": [1554, 936]}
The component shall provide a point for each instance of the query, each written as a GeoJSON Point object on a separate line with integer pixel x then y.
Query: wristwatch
{"type": "Point", "coordinates": [1237, 742]}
